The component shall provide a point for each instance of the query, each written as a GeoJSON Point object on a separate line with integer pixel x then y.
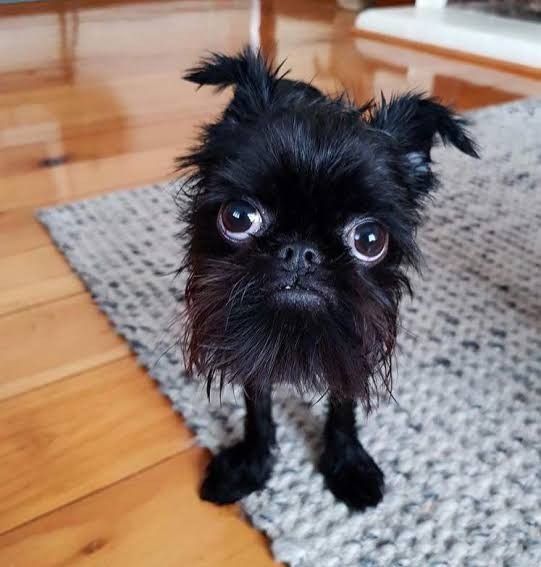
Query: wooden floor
{"type": "Point", "coordinates": [95, 468]}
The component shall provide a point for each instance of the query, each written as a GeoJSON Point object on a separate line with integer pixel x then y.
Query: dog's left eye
{"type": "Point", "coordinates": [368, 241]}
{"type": "Point", "coordinates": [238, 220]}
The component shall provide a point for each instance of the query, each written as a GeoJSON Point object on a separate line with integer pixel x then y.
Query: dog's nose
{"type": "Point", "coordinates": [299, 256]}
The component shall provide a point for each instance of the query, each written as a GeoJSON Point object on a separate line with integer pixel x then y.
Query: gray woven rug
{"type": "Point", "coordinates": [462, 447]}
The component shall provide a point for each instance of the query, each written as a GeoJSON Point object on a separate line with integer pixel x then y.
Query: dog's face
{"type": "Point", "coordinates": [301, 218]}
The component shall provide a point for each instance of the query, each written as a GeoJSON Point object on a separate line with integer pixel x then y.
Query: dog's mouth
{"type": "Point", "coordinates": [300, 295]}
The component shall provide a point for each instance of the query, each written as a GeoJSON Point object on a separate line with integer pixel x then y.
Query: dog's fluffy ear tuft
{"type": "Point", "coordinates": [251, 75]}
{"type": "Point", "coordinates": [414, 120]}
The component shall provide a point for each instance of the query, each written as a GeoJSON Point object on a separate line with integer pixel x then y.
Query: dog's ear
{"type": "Point", "coordinates": [414, 121]}
{"type": "Point", "coordinates": [251, 76]}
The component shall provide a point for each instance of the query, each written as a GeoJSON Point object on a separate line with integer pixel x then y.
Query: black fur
{"type": "Point", "coordinates": [350, 472]}
{"type": "Point", "coordinates": [245, 467]}
{"type": "Point", "coordinates": [311, 163]}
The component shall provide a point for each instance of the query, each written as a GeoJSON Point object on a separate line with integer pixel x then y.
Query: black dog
{"type": "Point", "coordinates": [301, 218]}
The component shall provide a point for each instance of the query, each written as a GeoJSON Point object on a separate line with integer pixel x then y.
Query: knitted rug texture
{"type": "Point", "coordinates": [460, 447]}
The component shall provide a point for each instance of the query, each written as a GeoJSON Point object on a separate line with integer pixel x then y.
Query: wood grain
{"type": "Point", "coordinates": [85, 178]}
{"type": "Point", "coordinates": [70, 438]}
{"type": "Point", "coordinates": [52, 341]}
{"type": "Point", "coordinates": [20, 232]}
{"type": "Point", "coordinates": [153, 519]}
{"type": "Point", "coordinates": [109, 137]}
{"type": "Point", "coordinates": [35, 277]}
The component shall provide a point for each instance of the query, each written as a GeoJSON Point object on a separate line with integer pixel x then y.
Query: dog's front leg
{"type": "Point", "coordinates": [350, 472]}
{"type": "Point", "coordinates": [245, 467]}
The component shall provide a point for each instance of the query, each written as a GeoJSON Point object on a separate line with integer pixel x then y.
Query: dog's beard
{"type": "Point", "coordinates": [236, 334]}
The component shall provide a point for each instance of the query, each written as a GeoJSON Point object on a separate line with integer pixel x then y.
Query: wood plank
{"type": "Point", "coordinates": [63, 441]}
{"type": "Point", "coordinates": [38, 293]}
{"type": "Point", "coordinates": [20, 231]}
{"type": "Point", "coordinates": [84, 178]}
{"type": "Point", "coordinates": [47, 343]}
{"type": "Point", "coordinates": [35, 277]}
{"type": "Point", "coordinates": [86, 102]}
{"type": "Point", "coordinates": [154, 519]}
{"type": "Point", "coordinates": [111, 136]}
{"type": "Point", "coordinates": [113, 43]}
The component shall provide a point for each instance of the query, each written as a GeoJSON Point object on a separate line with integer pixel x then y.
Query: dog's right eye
{"type": "Point", "coordinates": [239, 220]}
{"type": "Point", "coordinates": [368, 241]}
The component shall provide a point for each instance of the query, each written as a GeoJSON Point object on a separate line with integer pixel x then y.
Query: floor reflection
{"type": "Point", "coordinates": [90, 81]}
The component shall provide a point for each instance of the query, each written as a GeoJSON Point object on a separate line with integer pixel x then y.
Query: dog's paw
{"type": "Point", "coordinates": [352, 476]}
{"type": "Point", "coordinates": [235, 473]}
